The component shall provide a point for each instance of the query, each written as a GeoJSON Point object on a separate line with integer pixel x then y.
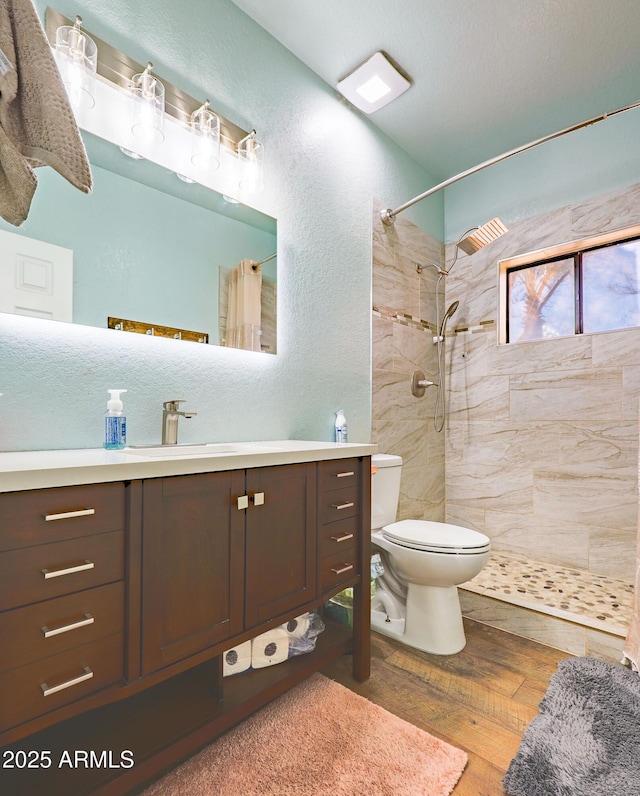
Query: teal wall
{"type": "Point", "coordinates": [582, 164]}
{"type": "Point", "coordinates": [325, 164]}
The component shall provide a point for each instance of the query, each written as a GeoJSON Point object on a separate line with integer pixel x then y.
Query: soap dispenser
{"type": "Point", "coordinates": [341, 426]}
{"type": "Point", "coordinates": [115, 422]}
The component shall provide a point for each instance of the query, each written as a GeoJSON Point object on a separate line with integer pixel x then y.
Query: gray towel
{"type": "Point", "coordinates": [37, 125]}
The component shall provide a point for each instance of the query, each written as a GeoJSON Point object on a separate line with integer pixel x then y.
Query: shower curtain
{"type": "Point", "coordinates": [244, 313]}
{"type": "Point", "coordinates": [632, 644]}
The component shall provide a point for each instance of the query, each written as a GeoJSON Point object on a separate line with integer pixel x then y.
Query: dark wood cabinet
{"type": "Point", "coordinates": [145, 584]}
{"type": "Point", "coordinates": [280, 541]}
{"type": "Point", "coordinates": [192, 565]}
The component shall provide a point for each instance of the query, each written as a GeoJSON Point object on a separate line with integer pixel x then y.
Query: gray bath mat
{"type": "Point", "coordinates": [586, 740]}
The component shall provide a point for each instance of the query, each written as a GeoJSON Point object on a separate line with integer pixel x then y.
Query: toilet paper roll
{"type": "Point", "coordinates": [237, 659]}
{"type": "Point", "coordinates": [270, 648]}
{"type": "Point", "coordinates": [296, 628]}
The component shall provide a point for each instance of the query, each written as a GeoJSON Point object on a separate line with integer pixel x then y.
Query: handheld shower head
{"type": "Point", "coordinates": [452, 308]}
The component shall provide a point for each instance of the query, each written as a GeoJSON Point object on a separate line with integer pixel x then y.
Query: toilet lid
{"type": "Point", "coordinates": [436, 537]}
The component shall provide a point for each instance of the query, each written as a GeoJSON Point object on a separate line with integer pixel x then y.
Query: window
{"type": "Point", "coordinates": [577, 288]}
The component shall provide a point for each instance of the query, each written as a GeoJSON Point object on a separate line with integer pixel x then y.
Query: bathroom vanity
{"type": "Point", "coordinates": [124, 577]}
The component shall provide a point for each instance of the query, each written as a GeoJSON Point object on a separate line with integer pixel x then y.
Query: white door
{"type": "Point", "coordinates": [36, 278]}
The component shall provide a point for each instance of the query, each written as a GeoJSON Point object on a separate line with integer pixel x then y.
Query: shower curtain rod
{"type": "Point", "coordinates": [388, 216]}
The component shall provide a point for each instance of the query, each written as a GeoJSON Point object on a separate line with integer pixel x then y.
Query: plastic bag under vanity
{"type": "Point", "coordinates": [340, 606]}
{"type": "Point", "coordinates": [296, 637]}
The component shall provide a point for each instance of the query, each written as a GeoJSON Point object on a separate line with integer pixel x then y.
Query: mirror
{"type": "Point", "coordinates": [149, 249]}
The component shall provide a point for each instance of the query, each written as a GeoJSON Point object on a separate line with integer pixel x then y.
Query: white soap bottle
{"type": "Point", "coordinates": [115, 422]}
{"type": "Point", "coordinates": [341, 426]}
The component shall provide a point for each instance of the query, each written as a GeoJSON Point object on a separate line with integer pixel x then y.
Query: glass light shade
{"type": "Point", "coordinates": [77, 59]}
{"type": "Point", "coordinates": [147, 107]}
{"type": "Point", "coordinates": [205, 138]}
{"type": "Point", "coordinates": [250, 157]}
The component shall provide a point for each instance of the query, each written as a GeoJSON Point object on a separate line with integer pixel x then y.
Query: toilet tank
{"type": "Point", "coordinates": [385, 489]}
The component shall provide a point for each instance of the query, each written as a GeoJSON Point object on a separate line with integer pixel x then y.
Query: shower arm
{"type": "Point", "coordinates": [388, 216]}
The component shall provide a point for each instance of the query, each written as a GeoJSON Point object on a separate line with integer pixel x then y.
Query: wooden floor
{"type": "Point", "coordinates": [480, 700]}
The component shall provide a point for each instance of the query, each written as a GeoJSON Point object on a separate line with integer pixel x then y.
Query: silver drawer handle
{"type": "Point", "coordinates": [343, 475]}
{"type": "Point", "coordinates": [47, 632]}
{"type": "Point", "coordinates": [87, 675]}
{"type": "Point", "coordinates": [56, 573]}
{"type": "Point", "coordinates": [65, 515]}
{"type": "Point", "coordinates": [342, 506]}
{"type": "Point", "coordinates": [342, 538]}
{"type": "Point", "coordinates": [340, 571]}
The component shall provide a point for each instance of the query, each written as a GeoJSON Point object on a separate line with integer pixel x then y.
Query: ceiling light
{"type": "Point", "coordinates": [373, 84]}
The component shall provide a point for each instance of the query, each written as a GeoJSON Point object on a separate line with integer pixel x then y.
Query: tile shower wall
{"type": "Point", "coordinates": [542, 437]}
{"type": "Point", "coordinates": [404, 318]}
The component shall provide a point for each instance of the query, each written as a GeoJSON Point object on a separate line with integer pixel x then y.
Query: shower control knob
{"type": "Point", "coordinates": [419, 383]}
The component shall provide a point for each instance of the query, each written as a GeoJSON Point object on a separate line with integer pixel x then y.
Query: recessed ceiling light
{"type": "Point", "coordinates": [373, 84]}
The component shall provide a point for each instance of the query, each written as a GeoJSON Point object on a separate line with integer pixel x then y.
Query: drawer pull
{"type": "Point", "coordinates": [86, 675]}
{"type": "Point", "coordinates": [56, 573]}
{"type": "Point", "coordinates": [345, 568]}
{"type": "Point", "coordinates": [48, 632]}
{"type": "Point", "coordinates": [339, 506]}
{"type": "Point", "coordinates": [65, 515]}
{"type": "Point", "coordinates": [343, 475]}
{"type": "Point", "coordinates": [342, 538]}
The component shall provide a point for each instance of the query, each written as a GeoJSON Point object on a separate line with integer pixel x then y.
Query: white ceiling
{"type": "Point", "coordinates": [487, 75]}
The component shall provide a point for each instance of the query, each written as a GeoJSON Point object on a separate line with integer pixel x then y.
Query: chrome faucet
{"type": "Point", "coordinates": [170, 415]}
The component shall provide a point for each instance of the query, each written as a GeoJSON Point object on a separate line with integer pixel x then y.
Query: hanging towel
{"type": "Point", "coordinates": [37, 124]}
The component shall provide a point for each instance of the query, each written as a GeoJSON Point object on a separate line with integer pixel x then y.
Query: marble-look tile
{"type": "Point", "coordinates": [412, 350]}
{"type": "Point", "coordinates": [466, 516]}
{"type": "Point", "coordinates": [548, 630]}
{"type": "Point", "coordinates": [486, 487]}
{"type": "Point", "coordinates": [567, 396]}
{"type": "Point", "coordinates": [395, 286]}
{"type": "Point", "coordinates": [406, 438]}
{"type": "Point", "coordinates": [392, 398]}
{"type": "Point", "coordinates": [585, 494]}
{"type": "Point", "coordinates": [498, 442]}
{"type": "Point", "coordinates": [630, 392]}
{"type": "Point", "coordinates": [541, 356]}
{"type": "Point", "coordinates": [612, 552]}
{"type": "Point", "coordinates": [611, 445]}
{"type": "Point", "coordinates": [539, 538]}
{"type": "Point", "coordinates": [616, 349]}
{"type": "Point", "coordinates": [604, 646]}
{"type": "Point", "coordinates": [605, 213]}
{"type": "Point", "coordinates": [382, 343]}
{"type": "Point", "coordinates": [481, 398]}
{"type": "Point", "coordinates": [421, 494]}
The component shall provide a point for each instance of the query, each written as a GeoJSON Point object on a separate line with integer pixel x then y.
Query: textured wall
{"type": "Point", "coordinates": [404, 321]}
{"type": "Point", "coordinates": [542, 439]}
{"type": "Point", "coordinates": [324, 163]}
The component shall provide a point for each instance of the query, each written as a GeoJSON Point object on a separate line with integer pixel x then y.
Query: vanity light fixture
{"type": "Point", "coordinates": [250, 157]}
{"type": "Point", "coordinates": [77, 59]}
{"type": "Point", "coordinates": [147, 107]}
{"type": "Point", "coordinates": [373, 84]}
{"type": "Point", "coordinates": [205, 138]}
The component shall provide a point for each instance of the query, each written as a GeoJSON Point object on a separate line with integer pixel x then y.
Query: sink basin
{"type": "Point", "coordinates": [195, 449]}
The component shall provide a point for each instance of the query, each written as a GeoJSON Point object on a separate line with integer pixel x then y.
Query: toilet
{"type": "Point", "coordinates": [416, 599]}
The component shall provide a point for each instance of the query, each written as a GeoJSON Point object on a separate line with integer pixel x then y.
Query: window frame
{"type": "Point", "coordinates": [573, 249]}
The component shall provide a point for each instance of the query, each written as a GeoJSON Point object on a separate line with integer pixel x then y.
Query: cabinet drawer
{"type": "Point", "coordinates": [336, 569]}
{"type": "Point", "coordinates": [337, 537]}
{"type": "Point", "coordinates": [52, 682]}
{"type": "Point", "coordinates": [337, 474]}
{"type": "Point", "coordinates": [51, 570]}
{"type": "Point", "coordinates": [42, 516]}
{"type": "Point", "coordinates": [53, 626]}
{"type": "Point", "coordinates": [337, 505]}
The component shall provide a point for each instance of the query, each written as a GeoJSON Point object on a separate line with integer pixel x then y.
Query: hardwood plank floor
{"type": "Point", "coordinates": [480, 700]}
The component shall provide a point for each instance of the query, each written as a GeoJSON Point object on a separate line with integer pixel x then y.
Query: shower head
{"type": "Point", "coordinates": [452, 308]}
{"type": "Point", "coordinates": [481, 236]}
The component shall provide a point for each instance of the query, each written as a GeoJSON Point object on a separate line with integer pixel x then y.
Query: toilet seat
{"type": "Point", "coordinates": [436, 537]}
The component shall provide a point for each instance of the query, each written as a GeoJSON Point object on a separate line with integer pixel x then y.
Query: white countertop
{"type": "Point", "coordinates": [43, 469]}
